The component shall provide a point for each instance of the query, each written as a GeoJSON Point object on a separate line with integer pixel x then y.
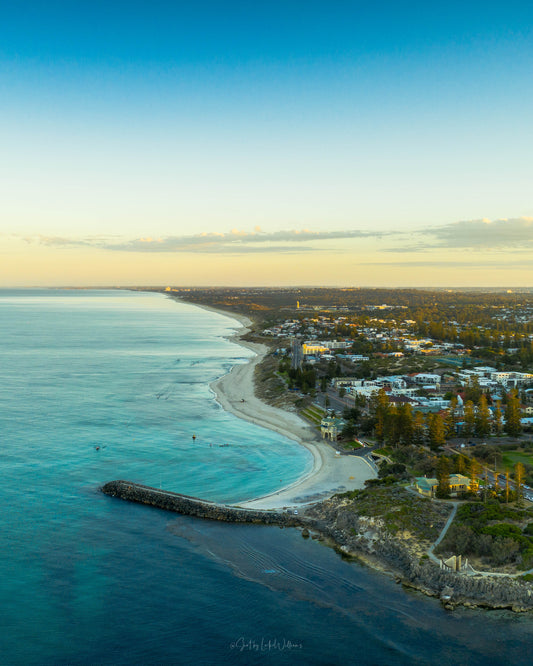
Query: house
{"type": "Point", "coordinates": [458, 484]}
{"type": "Point", "coordinates": [425, 486]}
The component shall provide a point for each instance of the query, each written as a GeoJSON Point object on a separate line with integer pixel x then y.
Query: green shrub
{"type": "Point", "coordinates": [529, 529]}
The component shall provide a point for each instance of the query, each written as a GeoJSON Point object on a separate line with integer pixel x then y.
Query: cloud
{"type": "Point", "coordinates": [512, 235]}
{"type": "Point", "coordinates": [515, 234]}
{"type": "Point", "coordinates": [464, 264]}
{"type": "Point", "coordinates": [60, 241]}
{"type": "Point", "coordinates": [486, 233]}
{"type": "Point", "coordinates": [233, 242]}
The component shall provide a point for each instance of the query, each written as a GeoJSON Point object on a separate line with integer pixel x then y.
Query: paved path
{"type": "Point", "coordinates": [443, 534]}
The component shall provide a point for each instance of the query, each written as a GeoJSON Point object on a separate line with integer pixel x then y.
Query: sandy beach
{"type": "Point", "coordinates": [330, 473]}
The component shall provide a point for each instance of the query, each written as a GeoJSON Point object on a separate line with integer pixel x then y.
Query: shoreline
{"type": "Point", "coordinates": [329, 473]}
{"type": "Point", "coordinates": [350, 534]}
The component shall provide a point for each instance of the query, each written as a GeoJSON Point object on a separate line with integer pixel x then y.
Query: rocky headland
{"type": "Point", "coordinates": [399, 550]}
{"type": "Point", "coordinates": [386, 528]}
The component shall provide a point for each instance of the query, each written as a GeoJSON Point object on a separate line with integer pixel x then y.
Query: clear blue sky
{"type": "Point", "coordinates": [128, 130]}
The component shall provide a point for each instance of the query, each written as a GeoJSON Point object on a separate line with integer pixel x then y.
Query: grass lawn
{"type": "Point", "coordinates": [510, 458]}
{"type": "Point", "coordinates": [313, 414]}
{"type": "Point", "coordinates": [384, 451]}
{"type": "Point", "coordinates": [353, 445]}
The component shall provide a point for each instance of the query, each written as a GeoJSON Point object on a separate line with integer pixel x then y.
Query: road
{"type": "Point", "coordinates": [335, 403]}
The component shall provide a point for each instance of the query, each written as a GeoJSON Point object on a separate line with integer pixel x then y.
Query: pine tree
{"type": "Point", "coordinates": [474, 471]}
{"type": "Point", "coordinates": [450, 420]}
{"type": "Point", "coordinates": [405, 422]}
{"type": "Point", "coordinates": [443, 477]}
{"type": "Point", "coordinates": [436, 434]}
{"type": "Point", "coordinates": [507, 487]}
{"type": "Point", "coordinates": [470, 419]}
{"type": "Point", "coordinates": [379, 406]}
{"type": "Point", "coordinates": [498, 422]}
{"type": "Point", "coordinates": [419, 429]}
{"type": "Point", "coordinates": [482, 420]}
{"type": "Point", "coordinates": [473, 390]}
{"type": "Point", "coordinates": [513, 426]}
{"type": "Point", "coordinates": [390, 425]}
{"type": "Point", "coordinates": [519, 474]}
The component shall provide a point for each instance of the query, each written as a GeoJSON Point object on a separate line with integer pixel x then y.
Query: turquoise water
{"type": "Point", "coordinates": [129, 373]}
{"type": "Point", "coordinates": [86, 579]}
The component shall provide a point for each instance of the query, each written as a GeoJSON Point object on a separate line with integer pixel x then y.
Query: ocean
{"type": "Point", "coordinates": [101, 385]}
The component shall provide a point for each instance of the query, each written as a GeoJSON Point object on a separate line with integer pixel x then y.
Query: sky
{"type": "Point", "coordinates": [266, 143]}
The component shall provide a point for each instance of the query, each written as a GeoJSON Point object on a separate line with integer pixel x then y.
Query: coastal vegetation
{"type": "Point", "coordinates": [492, 535]}
{"type": "Point", "coordinates": [415, 519]}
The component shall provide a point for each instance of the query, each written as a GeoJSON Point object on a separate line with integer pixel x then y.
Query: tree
{"type": "Point", "coordinates": [519, 473]}
{"type": "Point", "coordinates": [507, 487]}
{"type": "Point", "coordinates": [470, 419]}
{"type": "Point", "coordinates": [379, 407]}
{"type": "Point", "coordinates": [474, 471]}
{"type": "Point", "coordinates": [436, 435]}
{"type": "Point", "coordinates": [450, 420]}
{"type": "Point", "coordinates": [498, 422]}
{"type": "Point", "coordinates": [473, 390]}
{"type": "Point", "coordinates": [404, 414]}
{"type": "Point", "coordinates": [482, 420]}
{"type": "Point", "coordinates": [513, 426]}
{"type": "Point", "coordinates": [390, 425]}
{"type": "Point", "coordinates": [419, 429]}
{"type": "Point", "coordinates": [349, 430]}
{"type": "Point", "coordinates": [443, 478]}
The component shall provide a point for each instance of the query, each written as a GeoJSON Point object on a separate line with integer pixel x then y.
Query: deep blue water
{"type": "Point", "coordinates": [86, 579]}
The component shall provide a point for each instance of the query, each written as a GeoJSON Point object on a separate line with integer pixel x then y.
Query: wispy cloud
{"type": "Point", "coordinates": [235, 241]}
{"type": "Point", "coordinates": [466, 263]}
{"type": "Point", "coordinates": [510, 235]}
{"type": "Point", "coordinates": [486, 233]}
{"type": "Point", "coordinates": [515, 234]}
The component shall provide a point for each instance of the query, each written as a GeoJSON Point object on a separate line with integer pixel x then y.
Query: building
{"type": "Point", "coordinates": [330, 428]}
{"type": "Point", "coordinates": [426, 378]}
{"type": "Point", "coordinates": [428, 487]}
{"type": "Point", "coordinates": [308, 349]}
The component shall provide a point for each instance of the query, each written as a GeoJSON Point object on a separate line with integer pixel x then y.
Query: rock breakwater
{"type": "Point", "coordinates": [193, 506]}
{"type": "Point", "coordinates": [369, 538]}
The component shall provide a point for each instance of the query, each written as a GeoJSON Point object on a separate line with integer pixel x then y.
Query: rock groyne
{"type": "Point", "coordinates": [352, 534]}
{"type": "Point", "coordinates": [193, 506]}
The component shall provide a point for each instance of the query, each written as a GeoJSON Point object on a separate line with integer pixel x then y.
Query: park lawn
{"type": "Point", "coordinates": [511, 458]}
{"type": "Point", "coordinates": [354, 445]}
{"type": "Point", "coordinates": [313, 414]}
{"type": "Point", "coordinates": [384, 451]}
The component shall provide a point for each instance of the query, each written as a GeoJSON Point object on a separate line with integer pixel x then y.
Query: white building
{"type": "Point", "coordinates": [426, 379]}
